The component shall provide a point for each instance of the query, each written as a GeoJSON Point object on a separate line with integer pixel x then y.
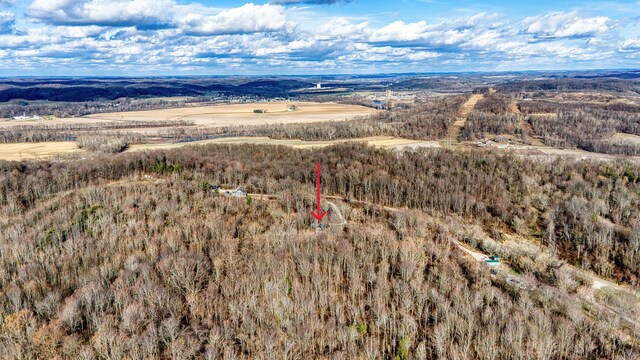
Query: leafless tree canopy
{"type": "Point", "coordinates": [131, 256]}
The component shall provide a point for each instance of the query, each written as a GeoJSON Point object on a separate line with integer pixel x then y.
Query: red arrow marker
{"type": "Point", "coordinates": [319, 214]}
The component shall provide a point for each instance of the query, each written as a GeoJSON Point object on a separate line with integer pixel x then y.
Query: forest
{"type": "Point", "coordinates": [132, 255]}
{"type": "Point", "coordinates": [589, 129]}
{"type": "Point", "coordinates": [565, 83]}
{"type": "Point", "coordinates": [492, 116]}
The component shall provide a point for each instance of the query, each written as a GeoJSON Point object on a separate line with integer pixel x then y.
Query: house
{"type": "Point", "coordinates": [239, 193]}
{"type": "Point", "coordinates": [492, 260]}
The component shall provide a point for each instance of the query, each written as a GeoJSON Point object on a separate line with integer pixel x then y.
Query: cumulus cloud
{"type": "Point", "coordinates": [177, 34]}
{"type": "Point", "coordinates": [446, 33]}
{"type": "Point", "coordinates": [341, 28]}
{"type": "Point", "coordinates": [248, 18]}
{"type": "Point", "coordinates": [102, 12]}
{"type": "Point", "coordinates": [566, 25]}
{"type": "Point", "coordinates": [630, 45]}
{"type": "Point", "coordinates": [7, 22]}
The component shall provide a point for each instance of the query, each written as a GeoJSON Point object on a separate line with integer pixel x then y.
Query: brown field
{"type": "Point", "coordinates": [242, 114]}
{"type": "Point", "coordinates": [44, 150]}
{"type": "Point", "coordinates": [220, 115]}
{"type": "Point", "coordinates": [28, 151]}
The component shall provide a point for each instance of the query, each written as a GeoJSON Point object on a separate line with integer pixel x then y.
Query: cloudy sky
{"type": "Point", "coordinates": [166, 37]}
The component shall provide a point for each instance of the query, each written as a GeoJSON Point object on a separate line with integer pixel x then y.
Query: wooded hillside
{"type": "Point", "coordinates": [132, 256]}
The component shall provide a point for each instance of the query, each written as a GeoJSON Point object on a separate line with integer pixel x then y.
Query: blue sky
{"type": "Point", "coordinates": [183, 37]}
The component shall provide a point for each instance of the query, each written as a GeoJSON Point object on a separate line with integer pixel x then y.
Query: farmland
{"type": "Point", "coordinates": [243, 114]}
{"type": "Point", "coordinates": [44, 150]}
{"type": "Point", "coordinates": [28, 151]}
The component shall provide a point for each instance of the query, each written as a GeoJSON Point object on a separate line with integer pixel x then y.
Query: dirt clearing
{"type": "Point", "coordinates": [465, 110]}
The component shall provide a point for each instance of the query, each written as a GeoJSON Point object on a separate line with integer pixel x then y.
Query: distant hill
{"type": "Point", "coordinates": [76, 90]}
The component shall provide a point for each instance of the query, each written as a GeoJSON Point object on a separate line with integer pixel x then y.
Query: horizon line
{"type": "Point", "coordinates": [330, 74]}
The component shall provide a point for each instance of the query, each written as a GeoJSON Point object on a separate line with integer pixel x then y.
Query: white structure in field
{"type": "Point", "coordinates": [25, 117]}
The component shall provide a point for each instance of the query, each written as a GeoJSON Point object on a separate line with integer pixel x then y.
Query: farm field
{"type": "Point", "coordinates": [242, 114]}
{"type": "Point", "coordinates": [49, 149]}
{"type": "Point", "coordinates": [29, 151]}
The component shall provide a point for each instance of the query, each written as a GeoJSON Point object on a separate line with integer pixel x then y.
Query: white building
{"type": "Point", "coordinates": [25, 117]}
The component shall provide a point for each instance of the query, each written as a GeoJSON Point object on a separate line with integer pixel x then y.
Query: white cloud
{"type": "Point", "coordinates": [160, 34]}
{"type": "Point", "coordinates": [422, 55]}
{"type": "Point", "coordinates": [444, 34]}
{"type": "Point", "coordinates": [7, 22]}
{"type": "Point", "coordinates": [566, 25]}
{"type": "Point", "coordinates": [341, 28]}
{"type": "Point", "coordinates": [400, 31]}
{"type": "Point", "coordinates": [248, 18]}
{"type": "Point", "coordinates": [102, 12]}
{"type": "Point", "coordinates": [631, 45]}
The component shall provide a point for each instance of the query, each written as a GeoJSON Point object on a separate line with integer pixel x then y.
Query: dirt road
{"type": "Point", "coordinates": [476, 255]}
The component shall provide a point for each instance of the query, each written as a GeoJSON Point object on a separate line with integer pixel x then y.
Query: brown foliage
{"type": "Point", "coordinates": [193, 274]}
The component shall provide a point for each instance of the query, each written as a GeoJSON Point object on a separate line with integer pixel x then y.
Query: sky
{"type": "Point", "coordinates": [297, 37]}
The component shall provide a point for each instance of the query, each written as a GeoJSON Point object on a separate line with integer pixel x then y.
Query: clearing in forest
{"type": "Point", "coordinates": [465, 110]}
{"type": "Point", "coordinates": [525, 126]}
{"type": "Point", "coordinates": [380, 141]}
